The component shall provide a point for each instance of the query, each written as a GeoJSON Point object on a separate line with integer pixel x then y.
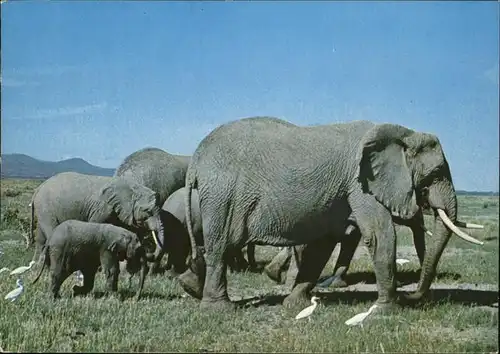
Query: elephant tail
{"type": "Point", "coordinates": [46, 261]}
{"type": "Point", "coordinates": [31, 237]}
{"type": "Point", "coordinates": [190, 183]}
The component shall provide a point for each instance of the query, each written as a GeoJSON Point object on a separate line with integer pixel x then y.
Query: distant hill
{"type": "Point", "coordinates": [24, 166]}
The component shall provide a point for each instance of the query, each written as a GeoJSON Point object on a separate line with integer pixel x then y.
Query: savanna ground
{"type": "Point", "coordinates": [459, 315]}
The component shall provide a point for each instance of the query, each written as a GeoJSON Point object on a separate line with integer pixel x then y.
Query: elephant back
{"type": "Point", "coordinates": [64, 195]}
{"type": "Point", "coordinates": [156, 169]}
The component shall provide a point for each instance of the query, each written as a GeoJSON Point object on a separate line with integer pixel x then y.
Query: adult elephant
{"type": "Point", "coordinates": [267, 181]}
{"type": "Point", "coordinates": [177, 243]}
{"type": "Point", "coordinates": [99, 199]}
{"type": "Point", "coordinates": [157, 170]}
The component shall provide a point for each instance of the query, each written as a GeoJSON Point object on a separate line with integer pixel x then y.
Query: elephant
{"type": "Point", "coordinates": [270, 182]}
{"type": "Point", "coordinates": [84, 246]}
{"type": "Point", "coordinates": [113, 200]}
{"type": "Point", "coordinates": [177, 243]}
{"type": "Point", "coordinates": [157, 170]}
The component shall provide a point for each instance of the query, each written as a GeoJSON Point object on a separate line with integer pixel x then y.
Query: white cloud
{"type": "Point", "coordinates": [64, 111]}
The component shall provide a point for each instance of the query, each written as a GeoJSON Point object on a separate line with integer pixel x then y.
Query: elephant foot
{"type": "Point", "coordinates": [191, 284]}
{"type": "Point", "coordinates": [296, 301]}
{"type": "Point", "coordinates": [385, 308]}
{"type": "Point", "coordinates": [222, 305]}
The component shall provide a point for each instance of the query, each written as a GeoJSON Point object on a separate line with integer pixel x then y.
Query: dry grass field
{"type": "Point", "coordinates": [459, 316]}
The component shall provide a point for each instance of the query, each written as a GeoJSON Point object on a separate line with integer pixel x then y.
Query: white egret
{"type": "Point", "coordinates": [14, 294]}
{"type": "Point", "coordinates": [401, 261]}
{"type": "Point", "coordinates": [22, 269]}
{"type": "Point", "coordinates": [358, 319]}
{"type": "Point", "coordinates": [308, 310]}
{"type": "Point", "coordinates": [4, 269]}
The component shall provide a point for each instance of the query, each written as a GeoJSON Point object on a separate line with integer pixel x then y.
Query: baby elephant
{"type": "Point", "coordinates": [78, 245]}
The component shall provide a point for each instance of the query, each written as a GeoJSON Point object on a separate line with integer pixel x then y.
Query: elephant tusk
{"type": "Point", "coordinates": [455, 229]}
{"type": "Point", "coordinates": [155, 239]}
{"type": "Point", "coordinates": [469, 225]}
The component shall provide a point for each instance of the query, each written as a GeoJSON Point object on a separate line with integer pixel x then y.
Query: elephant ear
{"type": "Point", "coordinates": [146, 202]}
{"type": "Point", "coordinates": [119, 194]}
{"type": "Point", "coordinates": [384, 170]}
{"type": "Point", "coordinates": [119, 247]}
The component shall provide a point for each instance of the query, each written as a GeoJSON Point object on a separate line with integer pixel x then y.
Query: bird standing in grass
{"type": "Point", "coordinates": [22, 269]}
{"type": "Point", "coordinates": [308, 310]}
{"type": "Point", "coordinates": [14, 294]}
{"type": "Point", "coordinates": [358, 319]}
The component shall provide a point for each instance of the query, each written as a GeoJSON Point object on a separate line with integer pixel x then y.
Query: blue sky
{"type": "Point", "coordinates": [99, 80]}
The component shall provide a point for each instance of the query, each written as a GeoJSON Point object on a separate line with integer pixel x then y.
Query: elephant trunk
{"type": "Point", "coordinates": [442, 197]}
{"type": "Point", "coordinates": [144, 272]}
{"type": "Point", "coordinates": [156, 226]}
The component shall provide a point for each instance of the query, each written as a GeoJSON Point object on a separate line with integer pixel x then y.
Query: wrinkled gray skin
{"type": "Point", "coordinates": [177, 243]}
{"type": "Point", "coordinates": [76, 196]}
{"type": "Point", "coordinates": [281, 263]}
{"type": "Point", "coordinates": [157, 170]}
{"type": "Point", "coordinates": [78, 245]}
{"type": "Point", "coordinates": [270, 182]}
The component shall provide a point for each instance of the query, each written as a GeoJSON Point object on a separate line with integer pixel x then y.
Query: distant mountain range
{"type": "Point", "coordinates": [24, 166]}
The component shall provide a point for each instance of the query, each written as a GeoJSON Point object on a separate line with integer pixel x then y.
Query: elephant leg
{"type": "Point", "coordinates": [40, 240]}
{"type": "Point", "coordinates": [278, 265]}
{"type": "Point", "coordinates": [58, 276]}
{"type": "Point", "coordinates": [293, 268]}
{"type": "Point", "coordinates": [111, 267]}
{"type": "Point", "coordinates": [311, 259]}
{"type": "Point", "coordinates": [88, 282]}
{"type": "Point", "coordinates": [348, 247]}
{"type": "Point", "coordinates": [215, 289]}
{"type": "Point", "coordinates": [377, 229]}
{"type": "Point", "coordinates": [252, 264]}
{"type": "Point", "coordinates": [419, 241]}
{"type": "Point", "coordinates": [241, 263]}
{"type": "Point", "coordinates": [158, 256]}
{"type": "Point", "coordinates": [232, 262]}
{"type": "Point", "coordinates": [193, 279]}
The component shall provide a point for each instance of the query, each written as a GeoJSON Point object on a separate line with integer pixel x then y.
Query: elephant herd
{"type": "Point", "coordinates": [257, 181]}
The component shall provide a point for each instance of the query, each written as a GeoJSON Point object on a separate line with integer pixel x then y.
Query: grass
{"type": "Point", "coordinates": [455, 320]}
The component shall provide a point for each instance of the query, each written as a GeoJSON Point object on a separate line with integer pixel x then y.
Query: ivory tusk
{"type": "Point", "coordinates": [469, 225]}
{"type": "Point", "coordinates": [456, 230]}
{"type": "Point", "coordinates": [155, 239]}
